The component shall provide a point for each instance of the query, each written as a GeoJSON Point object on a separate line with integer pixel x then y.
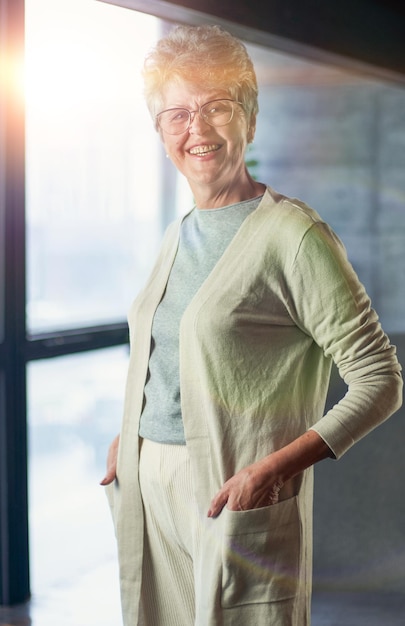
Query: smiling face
{"type": "Point", "coordinates": [211, 158]}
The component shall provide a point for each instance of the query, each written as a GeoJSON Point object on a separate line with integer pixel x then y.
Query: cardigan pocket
{"type": "Point", "coordinates": [261, 554]}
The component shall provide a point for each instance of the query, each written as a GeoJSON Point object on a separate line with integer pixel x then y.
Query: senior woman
{"type": "Point", "coordinates": [232, 339]}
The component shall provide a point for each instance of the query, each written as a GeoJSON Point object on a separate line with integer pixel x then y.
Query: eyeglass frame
{"type": "Point", "coordinates": [199, 111]}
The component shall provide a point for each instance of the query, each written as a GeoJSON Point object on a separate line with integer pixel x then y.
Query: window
{"type": "Point", "coordinates": [93, 224]}
{"type": "Point", "coordinates": [75, 407]}
{"type": "Point", "coordinates": [93, 162]}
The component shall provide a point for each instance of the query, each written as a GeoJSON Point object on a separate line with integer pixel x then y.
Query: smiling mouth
{"type": "Point", "coordinates": [203, 150]}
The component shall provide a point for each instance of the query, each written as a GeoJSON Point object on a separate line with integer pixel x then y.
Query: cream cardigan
{"type": "Point", "coordinates": [256, 346]}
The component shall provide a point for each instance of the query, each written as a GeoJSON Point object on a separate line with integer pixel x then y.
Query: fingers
{"type": "Point", "coordinates": [108, 478]}
{"type": "Point", "coordinates": [217, 504]}
{"type": "Point", "coordinates": [111, 473]}
{"type": "Point", "coordinates": [236, 499]}
{"type": "Point", "coordinates": [274, 494]}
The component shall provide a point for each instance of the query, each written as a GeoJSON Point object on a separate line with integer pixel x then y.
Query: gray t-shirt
{"type": "Point", "coordinates": [204, 237]}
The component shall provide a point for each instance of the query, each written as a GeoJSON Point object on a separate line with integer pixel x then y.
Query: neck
{"type": "Point", "coordinates": [215, 197]}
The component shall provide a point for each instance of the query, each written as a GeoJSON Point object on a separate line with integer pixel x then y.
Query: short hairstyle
{"type": "Point", "coordinates": [205, 55]}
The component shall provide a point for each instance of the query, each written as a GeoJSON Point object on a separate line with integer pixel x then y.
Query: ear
{"type": "Point", "coordinates": [251, 129]}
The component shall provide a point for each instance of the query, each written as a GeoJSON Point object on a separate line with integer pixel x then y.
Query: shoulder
{"type": "Point", "coordinates": [287, 228]}
{"type": "Point", "coordinates": [284, 222]}
{"type": "Point", "coordinates": [289, 211]}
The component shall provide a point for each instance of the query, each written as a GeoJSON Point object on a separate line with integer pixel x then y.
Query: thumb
{"type": "Point", "coordinates": [108, 478]}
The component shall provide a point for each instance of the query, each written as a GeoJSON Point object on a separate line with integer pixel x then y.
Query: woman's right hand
{"type": "Point", "coordinates": [111, 473]}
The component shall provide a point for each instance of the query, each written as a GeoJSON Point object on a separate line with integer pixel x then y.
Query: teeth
{"type": "Point", "coordinates": [203, 149]}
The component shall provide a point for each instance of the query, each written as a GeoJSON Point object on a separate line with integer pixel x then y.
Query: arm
{"type": "Point", "coordinates": [111, 462]}
{"type": "Point", "coordinates": [328, 303]}
{"type": "Point", "coordinates": [259, 484]}
{"type": "Point", "coordinates": [331, 305]}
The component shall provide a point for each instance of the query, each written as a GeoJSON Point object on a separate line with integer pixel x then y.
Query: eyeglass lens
{"type": "Point", "coordinates": [215, 113]}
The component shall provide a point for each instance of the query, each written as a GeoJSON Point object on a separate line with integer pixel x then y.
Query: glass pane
{"type": "Point", "coordinates": [75, 406]}
{"type": "Point", "coordinates": [93, 162]}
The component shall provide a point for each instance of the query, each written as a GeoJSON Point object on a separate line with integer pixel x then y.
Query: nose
{"type": "Point", "coordinates": [197, 122]}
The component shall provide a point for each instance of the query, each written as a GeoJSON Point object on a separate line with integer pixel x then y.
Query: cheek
{"type": "Point", "coordinates": [240, 138]}
{"type": "Point", "coordinates": [172, 147]}
{"type": "Point", "coordinates": [238, 147]}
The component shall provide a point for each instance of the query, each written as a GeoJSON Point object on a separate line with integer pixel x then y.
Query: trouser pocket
{"type": "Point", "coordinates": [261, 554]}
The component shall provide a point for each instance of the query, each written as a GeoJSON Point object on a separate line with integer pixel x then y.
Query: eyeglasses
{"type": "Point", "coordinates": [214, 113]}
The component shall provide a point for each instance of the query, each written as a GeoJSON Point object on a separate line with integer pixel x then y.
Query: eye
{"type": "Point", "coordinates": [216, 108]}
{"type": "Point", "coordinates": [177, 116]}
{"type": "Point", "coordinates": [212, 108]}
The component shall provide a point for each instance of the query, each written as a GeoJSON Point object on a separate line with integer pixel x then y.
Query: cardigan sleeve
{"type": "Point", "coordinates": [330, 304]}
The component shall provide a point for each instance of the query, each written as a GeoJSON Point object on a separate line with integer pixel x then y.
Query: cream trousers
{"type": "Point", "coordinates": [203, 572]}
{"type": "Point", "coordinates": [171, 535]}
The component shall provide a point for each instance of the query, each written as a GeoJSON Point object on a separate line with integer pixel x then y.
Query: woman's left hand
{"type": "Point", "coordinates": [258, 485]}
{"type": "Point", "coordinates": [251, 488]}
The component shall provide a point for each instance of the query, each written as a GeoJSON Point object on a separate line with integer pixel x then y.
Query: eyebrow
{"type": "Point", "coordinates": [205, 101]}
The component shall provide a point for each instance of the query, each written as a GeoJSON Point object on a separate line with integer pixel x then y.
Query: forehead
{"type": "Point", "coordinates": [184, 94]}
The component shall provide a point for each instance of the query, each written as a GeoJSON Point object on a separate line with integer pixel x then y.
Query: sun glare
{"type": "Point", "coordinates": [74, 63]}
{"type": "Point", "coordinates": [59, 74]}
{"type": "Point", "coordinates": [12, 75]}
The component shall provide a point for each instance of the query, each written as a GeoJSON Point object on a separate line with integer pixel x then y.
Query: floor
{"type": "Point", "coordinates": [329, 609]}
